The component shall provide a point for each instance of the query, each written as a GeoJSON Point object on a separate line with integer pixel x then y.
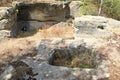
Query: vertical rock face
{"type": "Point", "coordinates": [31, 15]}
{"type": "Point", "coordinates": [7, 21]}
{"type": "Point", "coordinates": [7, 17]}
{"type": "Point", "coordinates": [34, 15]}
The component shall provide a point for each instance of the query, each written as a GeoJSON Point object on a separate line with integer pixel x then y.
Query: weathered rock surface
{"type": "Point", "coordinates": [89, 29]}
{"type": "Point", "coordinates": [3, 23]}
{"type": "Point", "coordinates": [8, 73]}
{"type": "Point", "coordinates": [42, 70]}
{"type": "Point", "coordinates": [6, 12]}
{"type": "Point", "coordinates": [7, 24]}
{"type": "Point", "coordinates": [7, 21]}
{"type": "Point", "coordinates": [94, 26]}
{"type": "Point", "coordinates": [5, 34]}
{"type": "Point", "coordinates": [7, 17]}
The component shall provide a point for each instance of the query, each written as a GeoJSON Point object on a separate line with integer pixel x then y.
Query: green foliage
{"type": "Point", "coordinates": [112, 8]}
{"type": "Point", "coordinates": [85, 66]}
{"type": "Point", "coordinates": [88, 8]}
{"type": "Point", "coordinates": [83, 59]}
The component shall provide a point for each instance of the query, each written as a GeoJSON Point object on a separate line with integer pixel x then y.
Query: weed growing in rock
{"type": "Point", "coordinates": [74, 58]}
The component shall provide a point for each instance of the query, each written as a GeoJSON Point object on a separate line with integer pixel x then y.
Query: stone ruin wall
{"type": "Point", "coordinates": [31, 15]}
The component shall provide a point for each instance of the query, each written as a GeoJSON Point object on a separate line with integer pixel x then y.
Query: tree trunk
{"type": "Point", "coordinates": [99, 12]}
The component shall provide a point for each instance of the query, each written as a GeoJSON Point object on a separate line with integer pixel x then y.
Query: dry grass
{"type": "Point", "coordinates": [20, 46]}
{"type": "Point", "coordinates": [48, 32]}
{"type": "Point", "coordinates": [15, 48]}
{"type": "Point", "coordinates": [11, 49]}
{"type": "Point", "coordinates": [112, 51]}
{"type": "Point", "coordinates": [116, 30]}
{"type": "Point", "coordinates": [61, 32]}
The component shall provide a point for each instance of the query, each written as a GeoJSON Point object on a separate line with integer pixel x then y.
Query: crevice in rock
{"type": "Point", "coordinates": [100, 27]}
{"type": "Point", "coordinates": [75, 57]}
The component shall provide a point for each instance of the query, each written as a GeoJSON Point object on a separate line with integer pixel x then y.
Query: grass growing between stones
{"type": "Point", "coordinates": [75, 58]}
{"type": "Point", "coordinates": [84, 59]}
